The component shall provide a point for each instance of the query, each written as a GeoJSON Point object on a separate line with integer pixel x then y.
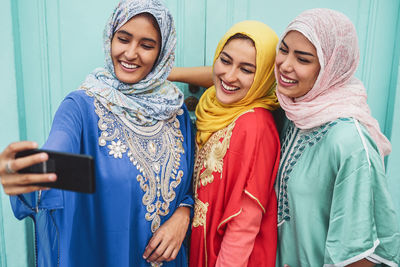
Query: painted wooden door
{"type": "Point", "coordinates": [49, 46]}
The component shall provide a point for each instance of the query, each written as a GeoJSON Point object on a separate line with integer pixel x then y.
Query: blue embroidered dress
{"type": "Point", "coordinates": [143, 174]}
{"type": "Point", "coordinates": [333, 204]}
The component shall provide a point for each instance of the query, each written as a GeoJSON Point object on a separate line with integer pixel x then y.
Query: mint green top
{"type": "Point", "coordinates": [334, 207]}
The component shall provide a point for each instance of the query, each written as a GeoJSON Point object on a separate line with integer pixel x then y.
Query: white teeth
{"type": "Point", "coordinates": [129, 66]}
{"type": "Point", "coordinates": [229, 88]}
{"type": "Point", "coordinates": [287, 80]}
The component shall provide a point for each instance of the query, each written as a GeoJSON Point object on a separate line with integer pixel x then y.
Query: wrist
{"type": "Point", "coordinates": [173, 75]}
{"type": "Point", "coordinates": [183, 213]}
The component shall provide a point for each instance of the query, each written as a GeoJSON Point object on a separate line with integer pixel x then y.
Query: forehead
{"type": "Point", "coordinates": [241, 49]}
{"type": "Point", "coordinates": [141, 24]}
{"type": "Point", "coordinates": [297, 40]}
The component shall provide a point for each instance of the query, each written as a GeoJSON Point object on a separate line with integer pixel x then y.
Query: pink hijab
{"type": "Point", "coordinates": [336, 92]}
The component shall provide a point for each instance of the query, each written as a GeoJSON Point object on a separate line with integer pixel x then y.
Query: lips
{"type": "Point", "coordinates": [129, 67]}
{"type": "Point", "coordinates": [286, 81]}
{"type": "Point", "coordinates": [228, 88]}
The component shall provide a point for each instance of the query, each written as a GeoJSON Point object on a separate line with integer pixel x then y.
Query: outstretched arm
{"type": "Point", "coordinates": [200, 76]}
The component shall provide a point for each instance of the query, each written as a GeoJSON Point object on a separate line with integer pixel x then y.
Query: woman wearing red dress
{"type": "Point", "coordinates": [237, 155]}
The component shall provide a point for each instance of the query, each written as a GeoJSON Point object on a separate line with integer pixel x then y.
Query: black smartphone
{"type": "Point", "coordinates": [74, 172]}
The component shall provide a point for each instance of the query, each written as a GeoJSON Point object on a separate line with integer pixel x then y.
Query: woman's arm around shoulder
{"type": "Point", "coordinates": [200, 76]}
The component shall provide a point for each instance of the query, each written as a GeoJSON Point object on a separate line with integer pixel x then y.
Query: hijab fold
{"type": "Point", "coordinates": [336, 92]}
{"type": "Point", "coordinates": [153, 98]}
{"type": "Point", "coordinates": [213, 115]}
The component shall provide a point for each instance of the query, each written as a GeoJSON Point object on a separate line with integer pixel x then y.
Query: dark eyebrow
{"type": "Point", "coordinates": [248, 64]}
{"type": "Point", "coordinates": [303, 53]}
{"type": "Point", "coordinates": [298, 51]}
{"type": "Point", "coordinates": [149, 40]}
{"type": "Point", "coordinates": [283, 42]}
{"type": "Point", "coordinates": [227, 55]}
{"type": "Point", "coordinates": [124, 32]}
{"type": "Point", "coordinates": [241, 63]}
{"type": "Point", "coordinates": [131, 35]}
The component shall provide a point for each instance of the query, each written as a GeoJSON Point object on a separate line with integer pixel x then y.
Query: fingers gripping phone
{"type": "Point", "coordinates": [74, 172]}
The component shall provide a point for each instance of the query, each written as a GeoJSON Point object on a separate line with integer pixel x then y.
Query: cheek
{"type": "Point", "coordinates": [217, 69]}
{"type": "Point", "coordinates": [153, 56]}
{"type": "Point", "coordinates": [114, 56]}
{"type": "Point", "coordinates": [146, 57]}
{"type": "Point", "coordinates": [305, 74]}
{"type": "Point", "coordinates": [316, 73]}
{"type": "Point", "coordinates": [215, 78]}
{"type": "Point", "coordinates": [278, 60]}
{"type": "Point", "coordinates": [311, 76]}
{"type": "Point", "coordinates": [114, 48]}
{"type": "Point", "coordinates": [248, 81]}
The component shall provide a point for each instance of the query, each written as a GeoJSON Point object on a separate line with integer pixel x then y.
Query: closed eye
{"type": "Point", "coordinates": [304, 60]}
{"type": "Point", "coordinates": [224, 61]}
{"type": "Point", "coordinates": [123, 40]}
{"type": "Point", "coordinates": [283, 50]}
{"type": "Point", "coordinates": [247, 71]}
{"type": "Point", "coordinates": [148, 47]}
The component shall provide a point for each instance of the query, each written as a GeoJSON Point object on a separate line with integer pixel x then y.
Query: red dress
{"type": "Point", "coordinates": [241, 158]}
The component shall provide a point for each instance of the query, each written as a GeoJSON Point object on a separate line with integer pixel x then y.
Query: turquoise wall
{"type": "Point", "coordinates": [48, 47]}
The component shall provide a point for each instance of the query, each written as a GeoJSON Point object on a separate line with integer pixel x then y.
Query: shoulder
{"type": "Point", "coordinates": [183, 112]}
{"type": "Point", "coordinates": [347, 133]}
{"type": "Point", "coordinates": [79, 96]}
{"type": "Point", "coordinates": [77, 106]}
{"type": "Point", "coordinates": [256, 124]}
{"type": "Point", "coordinates": [257, 119]}
{"type": "Point", "coordinates": [78, 100]}
{"type": "Point", "coordinates": [183, 116]}
{"type": "Point", "coordinates": [350, 141]}
{"type": "Point", "coordinates": [183, 121]}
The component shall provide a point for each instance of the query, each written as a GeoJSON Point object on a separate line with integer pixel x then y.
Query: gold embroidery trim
{"type": "Point", "coordinates": [200, 213]}
{"type": "Point", "coordinates": [199, 219]}
{"type": "Point", "coordinates": [211, 156]}
{"type": "Point", "coordinates": [256, 199]}
{"type": "Point", "coordinates": [156, 153]}
{"type": "Point", "coordinates": [229, 218]}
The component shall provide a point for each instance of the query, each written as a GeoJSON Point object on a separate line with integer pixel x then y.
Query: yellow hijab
{"type": "Point", "coordinates": [213, 115]}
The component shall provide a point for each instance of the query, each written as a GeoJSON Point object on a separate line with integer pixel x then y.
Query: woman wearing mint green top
{"type": "Point", "coordinates": [334, 208]}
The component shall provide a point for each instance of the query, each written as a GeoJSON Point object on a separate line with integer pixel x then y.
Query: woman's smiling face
{"type": "Point", "coordinates": [297, 65]}
{"type": "Point", "coordinates": [234, 70]}
{"type": "Point", "coordinates": [134, 48]}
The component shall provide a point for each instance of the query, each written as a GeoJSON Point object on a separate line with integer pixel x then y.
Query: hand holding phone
{"type": "Point", "coordinates": [74, 172]}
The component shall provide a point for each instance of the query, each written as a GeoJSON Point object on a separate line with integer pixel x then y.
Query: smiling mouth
{"type": "Point", "coordinates": [229, 88]}
{"type": "Point", "coordinates": [286, 80]}
{"type": "Point", "coordinates": [129, 66]}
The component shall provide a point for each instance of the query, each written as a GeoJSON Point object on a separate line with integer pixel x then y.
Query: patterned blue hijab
{"type": "Point", "coordinates": [153, 98]}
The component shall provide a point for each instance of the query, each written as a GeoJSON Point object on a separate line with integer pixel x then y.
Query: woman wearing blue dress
{"type": "Point", "coordinates": [135, 126]}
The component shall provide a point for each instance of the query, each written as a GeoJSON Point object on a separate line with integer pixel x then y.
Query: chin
{"type": "Point", "coordinates": [129, 80]}
{"type": "Point", "coordinates": [226, 100]}
{"type": "Point", "coordinates": [221, 99]}
{"type": "Point", "coordinates": [285, 92]}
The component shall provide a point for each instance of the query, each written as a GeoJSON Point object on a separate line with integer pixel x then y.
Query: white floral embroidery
{"type": "Point", "coordinates": [116, 149]}
{"type": "Point", "coordinates": [156, 153]}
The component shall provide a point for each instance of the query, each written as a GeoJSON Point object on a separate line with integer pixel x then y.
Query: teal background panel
{"type": "Point", "coordinates": [49, 46]}
{"type": "Point", "coordinates": [16, 237]}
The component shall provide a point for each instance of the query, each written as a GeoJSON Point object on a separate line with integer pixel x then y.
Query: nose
{"type": "Point", "coordinates": [230, 75]}
{"type": "Point", "coordinates": [131, 52]}
{"type": "Point", "coordinates": [286, 65]}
